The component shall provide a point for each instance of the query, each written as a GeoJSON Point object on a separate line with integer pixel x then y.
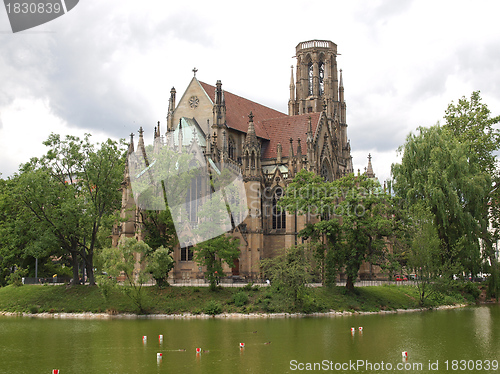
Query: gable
{"type": "Point", "coordinates": [194, 103]}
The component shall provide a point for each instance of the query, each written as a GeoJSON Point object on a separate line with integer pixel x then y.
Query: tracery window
{"type": "Point", "coordinates": [325, 172]}
{"type": "Point", "coordinates": [321, 67]}
{"type": "Point", "coordinates": [232, 149]}
{"type": "Point", "coordinates": [278, 213]}
{"type": "Point", "coordinates": [311, 73]}
{"type": "Point", "coordinates": [193, 197]}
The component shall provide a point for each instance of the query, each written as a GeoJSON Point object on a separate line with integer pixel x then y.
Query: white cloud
{"type": "Point", "coordinates": [109, 66]}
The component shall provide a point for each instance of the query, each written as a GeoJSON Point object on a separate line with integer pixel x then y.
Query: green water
{"type": "Point", "coordinates": [29, 345]}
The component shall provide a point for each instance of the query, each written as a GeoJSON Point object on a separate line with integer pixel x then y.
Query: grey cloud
{"type": "Point", "coordinates": [75, 67]}
{"type": "Point", "coordinates": [382, 12]}
{"type": "Point", "coordinates": [479, 65]}
{"type": "Point", "coordinates": [432, 81]}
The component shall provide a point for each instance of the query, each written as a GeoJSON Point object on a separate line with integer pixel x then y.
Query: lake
{"type": "Point", "coordinates": [464, 340]}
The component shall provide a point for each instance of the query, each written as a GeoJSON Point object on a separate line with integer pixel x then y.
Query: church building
{"type": "Point", "coordinates": [267, 147]}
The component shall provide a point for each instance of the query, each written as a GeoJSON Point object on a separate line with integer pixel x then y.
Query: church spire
{"type": "Point", "coordinates": [171, 108]}
{"type": "Point", "coordinates": [369, 169]}
{"type": "Point", "coordinates": [251, 136]}
{"type": "Point", "coordinates": [291, 102]}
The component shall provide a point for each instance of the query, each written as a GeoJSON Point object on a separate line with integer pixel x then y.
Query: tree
{"type": "Point", "coordinates": [213, 252]}
{"type": "Point", "coordinates": [471, 123]}
{"type": "Point", "coordinates": [160, 262]}
{"type": "Point", "coordinates": [70, 193]}
{"type": "Point", "coordinates": [437, 172]}
{"type": "Point", "coordinates": [423, 256]}
{"type": "Point", "coordinates": [290, 272]}
{"type": "Point", "coordinates": [127, 259]}
{"type": "Point", "coordinates": [354, 218]}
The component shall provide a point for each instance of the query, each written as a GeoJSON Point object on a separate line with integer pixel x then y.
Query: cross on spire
{"type": "Point", "coordinates": [195, 71]}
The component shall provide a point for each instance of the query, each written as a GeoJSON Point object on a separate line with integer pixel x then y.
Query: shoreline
{"type": "Point", "coordinates": [106, 316]}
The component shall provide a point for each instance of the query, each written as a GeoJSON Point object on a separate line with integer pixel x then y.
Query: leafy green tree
{"type": "Point", "coordinates": [160, 262]}
{"type": "Point", "coordinates": [127, 259]}
{"type": "Point", "coordinates": [290, 272]}
{"type": "Point", "coordinates": [52, 209]}
{"type": "Point", "coordinates": [423, 256]}
{"type": "Point", "coordinates": [70, 193]}
{"type": "Point", "coordinates": [436, 171]}
{"type": "Point", "coordinates": [354, 219]}
{"type": "Point", "coordinates": [213, 252]}
{"type": "Point", "coordinates": [470, 121]}
{"type": "Point", "coordinates": [98, 173]}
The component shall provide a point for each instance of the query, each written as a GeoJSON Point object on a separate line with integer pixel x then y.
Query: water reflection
{"type": "Point", "coordinates": [38, 346]}
{"type": "Point", "coordinates": [482, 323]}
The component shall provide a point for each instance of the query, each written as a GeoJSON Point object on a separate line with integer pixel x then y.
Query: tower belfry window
{"type": "Point", "coordinates": [321, 67]}
{"type": "Point", "coordinates": [311, 74]}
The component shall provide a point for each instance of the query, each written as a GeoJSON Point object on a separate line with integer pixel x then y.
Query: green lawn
{"type": "Point", "coordinates": [196, 300]}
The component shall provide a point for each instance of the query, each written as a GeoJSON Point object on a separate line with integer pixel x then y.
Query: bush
{"type": "Point", "coordinates": [240, 299]}
{"type": "Point", "coordinates": [212, 308]}
{"type": "Point", "coordinates": [16, 278]}
{"type": "Point", "coordinates": [248, 286]}
{"type": "Point", "coordinates": [472, 289]}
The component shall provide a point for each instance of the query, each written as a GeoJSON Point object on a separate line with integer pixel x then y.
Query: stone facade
{"type": "Point", "coordinates": [266, 146]}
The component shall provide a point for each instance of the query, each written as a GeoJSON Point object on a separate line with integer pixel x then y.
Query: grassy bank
{"type": "Point", "coordinates": [196, 300]}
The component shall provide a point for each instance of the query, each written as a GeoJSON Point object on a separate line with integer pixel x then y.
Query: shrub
{"type": "Point", "coordinates": [16, 278]}
{"type": "Point", "coordinates": [240, 299]}
{"type": "Point", "coordinates": [212, 308]}
{"type": "Point", "coordinates": [472, 289]}
{"type": "Point", "coordinates": [248, 286]}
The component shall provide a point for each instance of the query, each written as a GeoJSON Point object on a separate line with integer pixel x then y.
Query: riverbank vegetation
{"type": "Point", "coordinates": [247, 299]}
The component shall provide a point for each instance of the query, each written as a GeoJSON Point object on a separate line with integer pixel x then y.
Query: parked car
{"type": "Point", "coordinates": [399, 277]}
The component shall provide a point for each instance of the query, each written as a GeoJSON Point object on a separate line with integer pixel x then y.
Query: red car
{"type": "Point", "coordinates": [399, 277]}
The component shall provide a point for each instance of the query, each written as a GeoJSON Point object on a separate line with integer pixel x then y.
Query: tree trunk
{"type": "Point", "coordinates": [90, 268]}
{"type": "Point", "coordinates": [74, 261]}
{"type": "Point", "coordinates": [349, 285]}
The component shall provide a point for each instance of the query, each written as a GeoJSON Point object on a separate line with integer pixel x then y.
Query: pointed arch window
{"type": "Point", "coordinates": [326, 172]}
{"type": "Point", "coordinates": [310, 71]}
{"type": "Point", "coordinates": [278, 213]}
{"type": "Point", "coordinates": [321, 67]}
{"type": "Point", "coordinates": [193, 196]}
{"type": "Point", "coordinates": [232, 149]}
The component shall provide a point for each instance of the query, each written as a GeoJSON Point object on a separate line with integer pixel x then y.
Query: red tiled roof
{"type": "Point", "coordinates": [280, 130]}
{"type": "Point", "coordinates": [238, 109]}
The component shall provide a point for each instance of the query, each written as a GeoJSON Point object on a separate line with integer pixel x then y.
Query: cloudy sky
{"type": "Point", "coordinates": [107, 67]}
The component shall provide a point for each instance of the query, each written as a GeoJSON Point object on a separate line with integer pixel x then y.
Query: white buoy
{"type": "Point", "coordinates": [404, 354]}
{"type": "Point", "coordinates": [144, 338]}
{"type": "Point", "coordinates": [198, 350]}
{"type": "Point", "coordinates": [159, 356]}
{"type": "Point", "coordinates": [242, 345]}
{"type": "Point", "coordinates": [360, 329]}
{"type": "Point", "coordinates": [352, 330]}
{"type": "Point", "coordinates": [160, 338]}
